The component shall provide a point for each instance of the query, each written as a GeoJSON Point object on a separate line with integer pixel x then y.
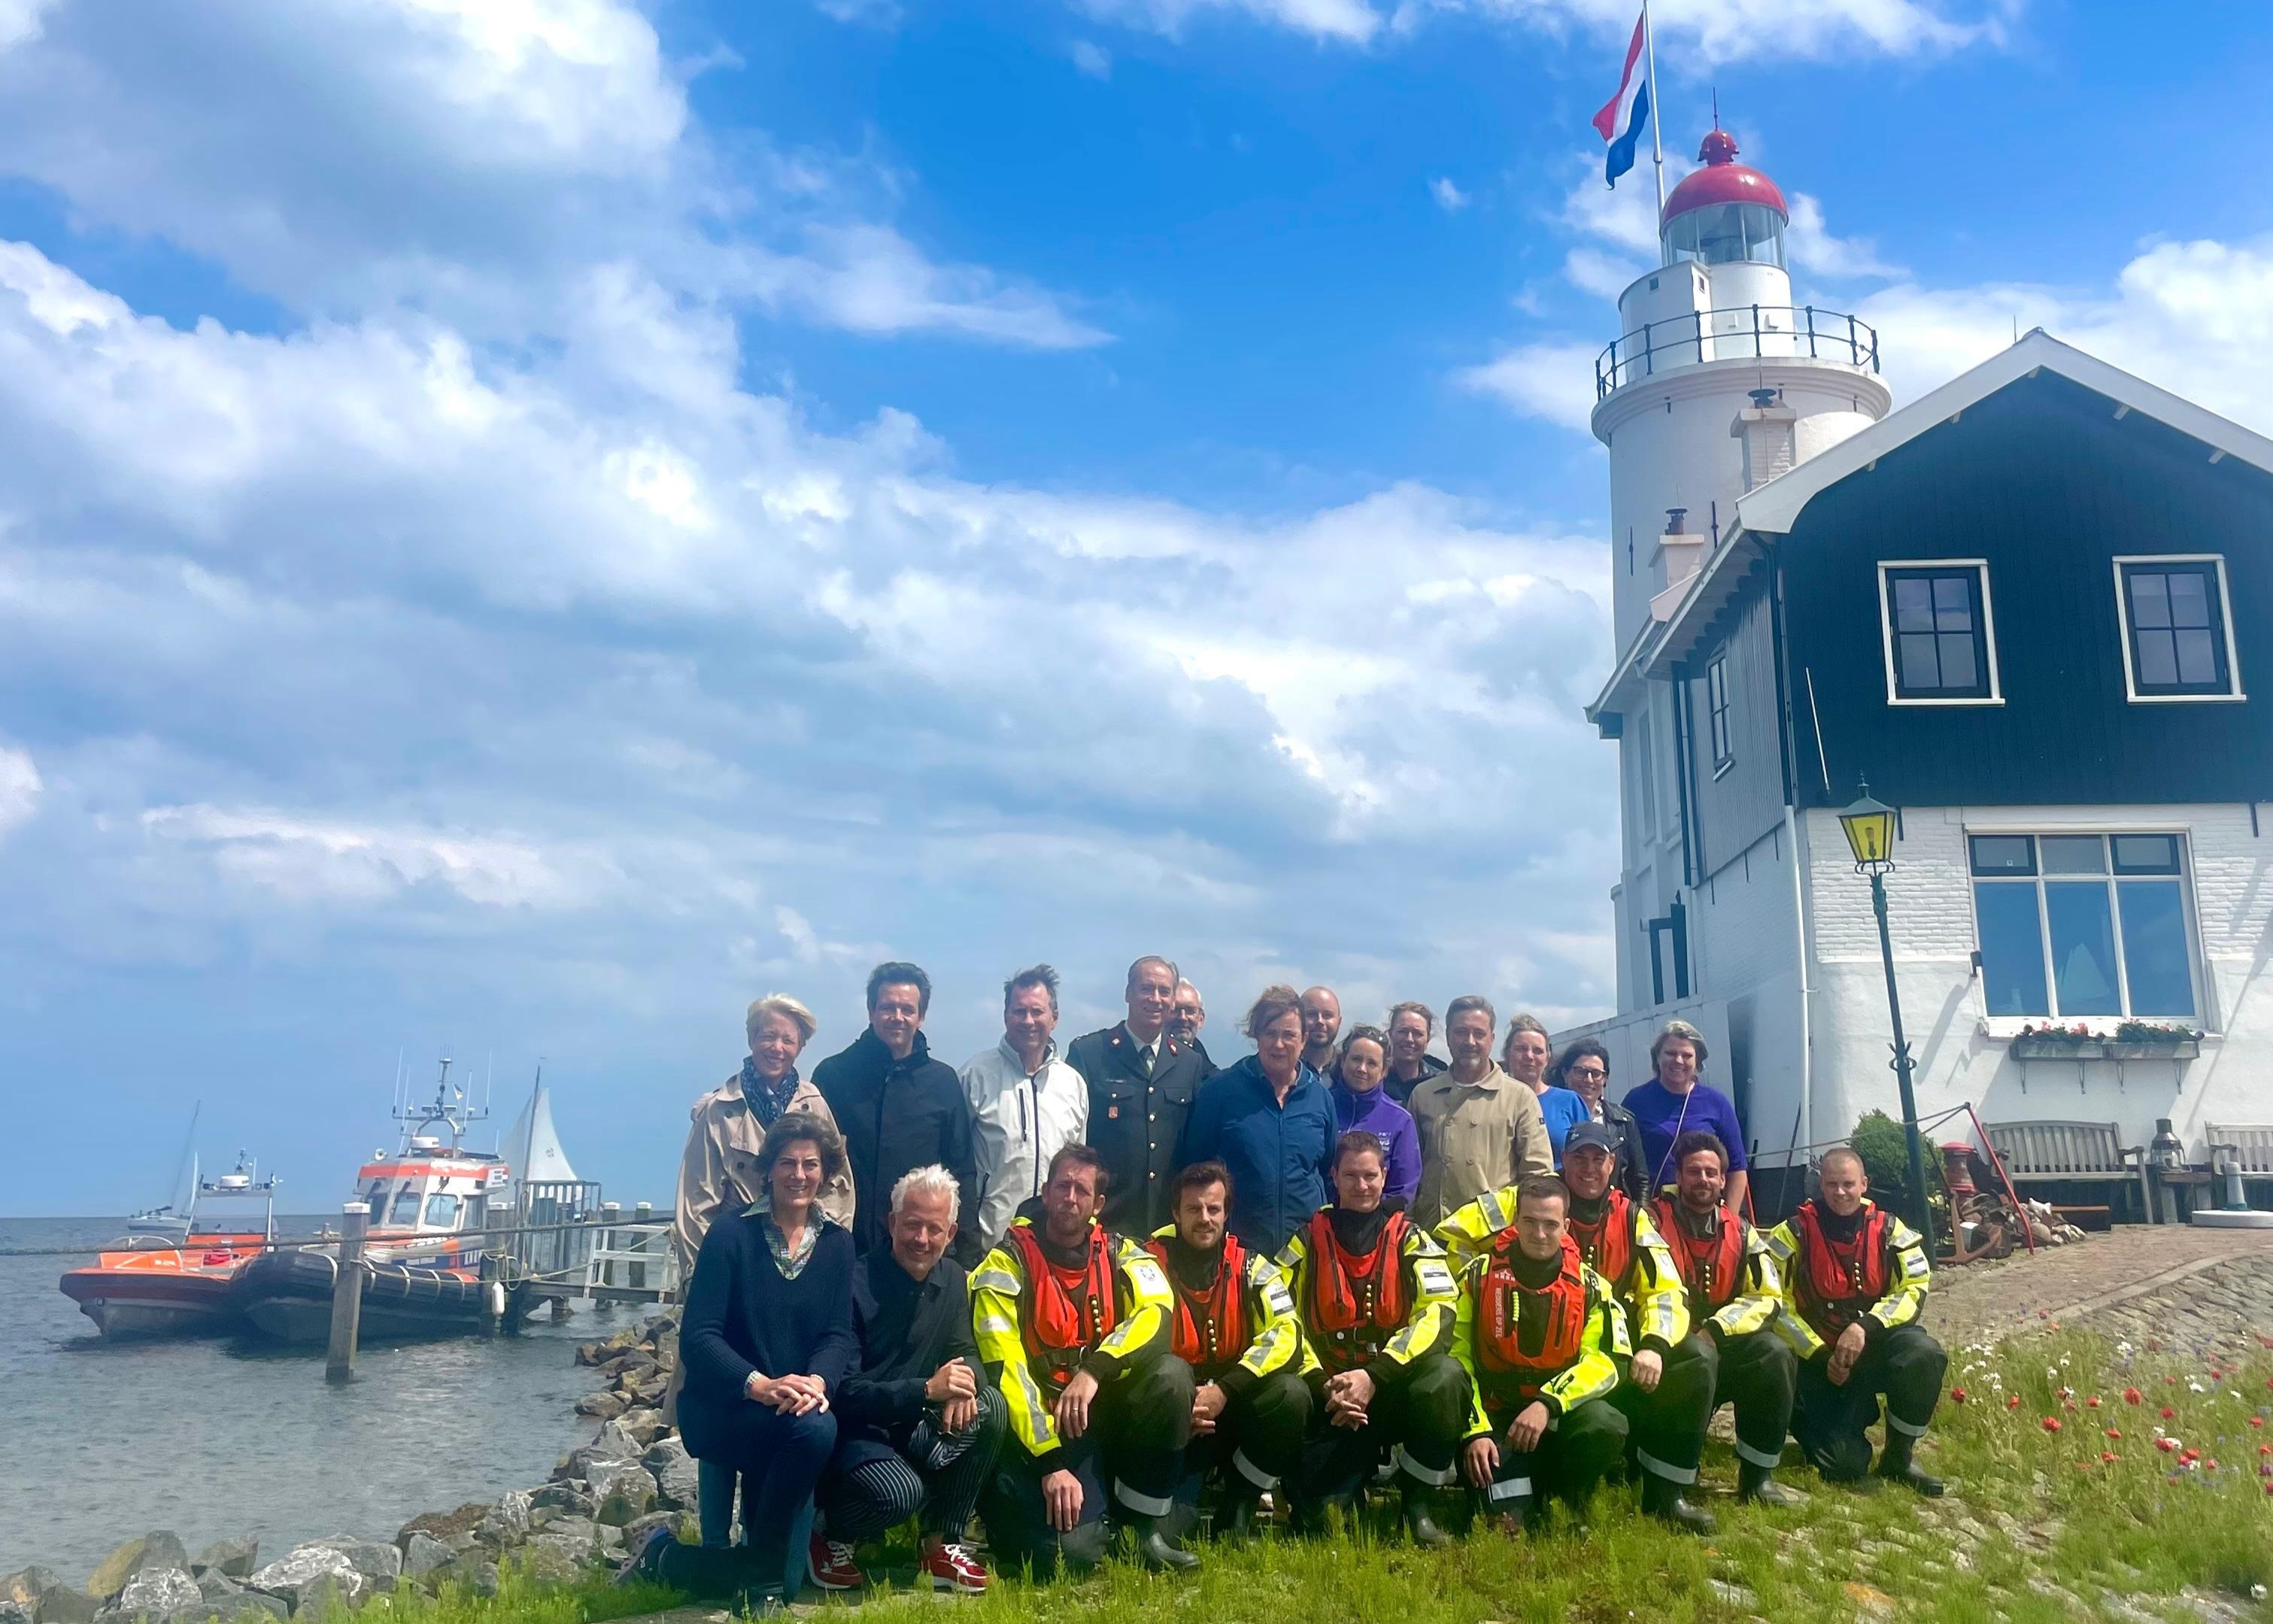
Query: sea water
{"type": "Point", "coordinates": [214, 1437]}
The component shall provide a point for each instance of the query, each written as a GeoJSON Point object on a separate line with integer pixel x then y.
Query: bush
{"type": "Point", "coordinates": [1880, 1140]}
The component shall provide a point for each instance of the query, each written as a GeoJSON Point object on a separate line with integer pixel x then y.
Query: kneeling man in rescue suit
{"type": "Point", "coordinates": [1735, 1296]}
{"type": "Point", "coordinates": [1234, 1324]}
{"type": "Point", "coordinates": [1665, 1388]}
{"type": "Point", "coordinates": [1377, 1300]}
{"type": "Point", "coordinates": [1073, 1325]}
{"type": "Point", "coordinates": [1855, 1277]}
{"type": "Point", "coordinates": [1539, 1335]}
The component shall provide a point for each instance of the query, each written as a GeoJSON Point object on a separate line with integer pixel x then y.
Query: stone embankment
{"type": "Point", "coordinates": [633, 1476]}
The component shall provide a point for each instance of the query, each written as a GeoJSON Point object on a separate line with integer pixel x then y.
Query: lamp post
{"type": "Point", "coordinates": [1869, 826]}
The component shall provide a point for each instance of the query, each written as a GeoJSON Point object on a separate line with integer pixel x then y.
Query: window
{"type": "Point", "coordinates": [375, 1197]}
{"type": "Point", "coordinates": [2178, 633]}
{"type": "Point", "coordinates": [1645, 774]}
{"type": "Point", "coordinates": [1939, 633]}
{"type": "Point", "coordinates": [2076, 925]}
{"type": "Point", "coordinates": [441, 1211]}
{"type": "Point", "coordinates": [1716, 706]}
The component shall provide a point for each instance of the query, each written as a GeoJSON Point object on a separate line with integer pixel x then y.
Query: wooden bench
{"type": "Point", "coordinates": [2071, 1153]}
{"type": "Point", "coordinates": [2248, 1145]}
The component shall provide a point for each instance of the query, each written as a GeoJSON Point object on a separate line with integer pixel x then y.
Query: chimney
{"type": "Point", "coordinates": [1769, 429]}
{"type": "Point", "coordinates": [1679, 553]}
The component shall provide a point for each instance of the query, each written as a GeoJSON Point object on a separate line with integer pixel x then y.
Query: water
{"type": "Point", "coordinates": [217, 1437]}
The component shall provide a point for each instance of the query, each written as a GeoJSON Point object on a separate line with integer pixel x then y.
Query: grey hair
{"type": "Point", "coordinates": [1462, 1004]}
{"type": "Point", "coordinates": [782, 1005]}
{"type": "Point", "coordinates": [1169, 965]}
{"type": "Point", "coordinates": [1040, 976]}
{"type": "Point", "coordinates": [1680, 1031]}
{"type": "Point", "coordinates": [931, 1180]}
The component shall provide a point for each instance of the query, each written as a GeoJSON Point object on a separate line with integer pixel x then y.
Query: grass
{"type": "Point", "coordinates": [2037, 1529]}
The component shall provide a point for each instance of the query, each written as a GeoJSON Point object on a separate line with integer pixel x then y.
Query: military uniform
{"type": "Point", "coordinates": [1041, 1316]}
{"type": "Point", "coordinates": [1735, 1297]}
{"type": "Point", "coordinates": [1137, 1115]}
{"type": "Point", "coordinates": [1870, 1270]}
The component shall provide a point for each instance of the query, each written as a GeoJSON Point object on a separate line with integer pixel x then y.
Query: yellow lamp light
{"type": "Point", "coordinates": [1869, 826]}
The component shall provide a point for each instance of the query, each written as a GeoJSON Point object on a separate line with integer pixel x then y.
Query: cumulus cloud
{"type": "Point", "coordinates": [1449, 197]}
{"type": "Point", "coordinates": [19, 789]}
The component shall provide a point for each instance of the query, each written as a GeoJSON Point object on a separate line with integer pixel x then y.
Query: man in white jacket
{"type": "Point", "coordinates": [1025, 1102]}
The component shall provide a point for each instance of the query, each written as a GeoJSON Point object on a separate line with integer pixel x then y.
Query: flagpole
{"type": "Point", "coordinates": [1656, 107]}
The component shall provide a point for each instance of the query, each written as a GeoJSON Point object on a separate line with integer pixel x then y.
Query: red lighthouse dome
{"type": "Point", "coordinates": [1724, 211]}
{"type": "Point", "coordinates": [1724, 180]}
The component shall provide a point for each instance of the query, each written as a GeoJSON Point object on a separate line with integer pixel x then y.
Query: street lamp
{"type": "Point", "coordinates": [1869, 826]}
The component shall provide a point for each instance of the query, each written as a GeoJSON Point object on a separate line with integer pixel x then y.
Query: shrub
{"type": "Point", "coordinates": [1880, 1140]}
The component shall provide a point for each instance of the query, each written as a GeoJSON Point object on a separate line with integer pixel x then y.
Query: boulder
{"type": "Point", "coordinates": [309, 1575]}
{"type": "Point", "coordinates": [677, 1480]}
{"type": "Point", "coordinates": [232, 1559]}
{"type": "Point", "coordinates": [449, 1527]}
{"type": "Point", "coordinates": [422, 1555]}
{"type": "Point", "coordinates": [155, 1593]}
{"type": "Point", "coordinates": [558, 1497]}
{"type": "Point", "coordinates": [616, 1444]}
{"type": "Point", "coordinates": [601, 1406]}
{"type": "Point", "coordinates": [544, 1563]}
{"type": "Point", "coordinates": [588, 1353]}
{"type": "Point", "coordinates": [632, 1533]}
{"type": "Point", "coordinates": [65, 1606]}
{"type": "Point", "coordinates": [214, 1585]}
{"type": "Point", "coordinates": [155, 1549]}
{"type": "Point", "coordinates": [229, 1609]}
{"type": "Point", "coordinates": [381, 1564]}
{"type": "Point", "coordinates": [507, 1521]}
{"type": "Point", "coordinates": [624, 1491]}
{"type": "Point", "coordinates": [576, 1535]}
{"type": "Point", "coordinates": [26, 1586]}
{"type": "Point", "coordinates": [644, 1426]}
{"type": "Point", "coordinates": [469, 1571]}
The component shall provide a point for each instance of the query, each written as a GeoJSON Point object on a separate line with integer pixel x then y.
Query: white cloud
{"type": "Point", "coordinates": [1550, 380]}
{"type": "Point", "coordinates": [1815, 252]}
{"type": "Point", "coordinates": [1449, 197]}
{"type": "Point", "coordinates": [1091, 59]}
{"type": "Point", "coordinates": [19, 789]}
{"type": "Point", "coordinates": [1353, 22]}
{"type": "Point", "coordinates": [309, 861]}
{"type": "Point", "coordinates": [869, 278]}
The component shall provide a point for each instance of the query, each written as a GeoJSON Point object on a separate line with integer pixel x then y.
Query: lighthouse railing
{"type": "Point", "coordinates": [1737, 332]}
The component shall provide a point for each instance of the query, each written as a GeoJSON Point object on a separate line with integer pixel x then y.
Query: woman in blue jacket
{"type": "Point", "coordinates": [1271, 1121]}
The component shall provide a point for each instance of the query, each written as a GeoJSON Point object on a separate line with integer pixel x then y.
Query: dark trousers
{"type": "Point", "coordinates": [873, 1485]}
{"type": "Point", "coordinates": [1905, 1365]}
{"type": "Point", "coordinates": [1420, 1412]}
{"type": "Point", "coordinates": [1584, 1443]}
{"type": "Point", "coordinates": [1756, 1372]}
{"type": "Point", "coordinates": [1138, 1427]}
{"type": "Point", "coordinates": [779, 1459]}
{"type": "Point", "coordinates": [1257, 1440]}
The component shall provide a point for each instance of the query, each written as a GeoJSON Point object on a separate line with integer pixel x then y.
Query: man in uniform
{"type": "Point", "coordinates": [1377, 1302]}
{"type": "Point", "coordinates": [1234, 1324]}
{"type": "Point", "coordinates": [1538, 1335]}
{"type": "Point", "coordinates": [1855, 1277]}
{"type": "Point", "coordinates": [1665, 1388]}
{"type": "Point", "coordinates": [1073, 1325]}
{"type": "Point", "coordinates": [1734, 1295]}
{"type": "Point", "coordinates": [1140, 1085]}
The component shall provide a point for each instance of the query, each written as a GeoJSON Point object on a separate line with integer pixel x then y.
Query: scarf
{"type": "Point", "coordinates": [767, 1104]}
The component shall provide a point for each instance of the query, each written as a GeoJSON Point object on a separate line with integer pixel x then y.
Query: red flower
{"type": "Point", "coordinates": [2257, 1420]}
{"type": "Point", "coordinates": [2092, 1402]}
{"type": "Point", "coordinates": [2051, 1423]}
{"type": "Point", "coordinates": [2269, 1487]}
{"type": "Point", "coordinates": [2115, 1431]}
{"type": "Point", "coordinates": [1957, 1395]}
{"type": "Point", "coordinates": [2168, 1412]}
{"type": "Point", "coordinates": [2012, 1400]}
{"type": "Point", "coordinates": [2107, 1455]}
{"type": "Point", "coordinates": [2165, 1445]}
{"type": "Point", "coordinates": [2132, 1395]}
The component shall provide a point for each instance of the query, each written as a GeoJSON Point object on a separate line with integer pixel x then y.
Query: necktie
{"type": "Point", "coordinates": [1144, 1058]}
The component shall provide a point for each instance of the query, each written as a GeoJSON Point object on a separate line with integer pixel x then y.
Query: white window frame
{"type": "Point", "coordinates": [2233, 695]}
{"type": "Point", "coordinates": [1980, 567]}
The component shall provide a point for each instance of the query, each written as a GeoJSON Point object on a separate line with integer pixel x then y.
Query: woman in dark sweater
{"type": "Point", "coordinates": [766, 1340]}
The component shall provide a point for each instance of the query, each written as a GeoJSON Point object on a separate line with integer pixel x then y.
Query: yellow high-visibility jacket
{"type": "Point", "coordinates": [1908, 1274]}
{"type": "Point", "coordinates": [1431, 1295]}
{"type": "Point", "coordinates": [1593, 1374]}
{"type": "Point", "coordinates": [1275, 1341]}
{"type": "Point", "coordinates": [1758, 1295]}
{"type": "Point", "coordinates": [1142, 1302]}
{"type": "Point", "coordinates": [1649, 1287]}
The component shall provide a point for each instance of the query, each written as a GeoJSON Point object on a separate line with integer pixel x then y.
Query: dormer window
{"type": "Point", "coordinates": [1940, 632]}
{"type": "Point", "coordinates": [2178, 628]}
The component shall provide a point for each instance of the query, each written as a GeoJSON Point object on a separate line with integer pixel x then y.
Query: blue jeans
{"type": "Point", "coordinates": [779, 1458]}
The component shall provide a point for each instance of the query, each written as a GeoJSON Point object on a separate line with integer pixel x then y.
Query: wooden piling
{"type": "Point", "coordinates": [347, 1293]}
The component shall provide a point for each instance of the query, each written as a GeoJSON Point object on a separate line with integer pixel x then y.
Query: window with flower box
{"type": "Point", "coordinates": [2083, 924]}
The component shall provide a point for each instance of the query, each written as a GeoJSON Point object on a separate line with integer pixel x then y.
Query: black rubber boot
{"type": "Point", "coordinates": [1758, 1482]}
{"type": "Point", "coordinates": [1154, 1549]}
{"type": "Point", "coordinates": [1420, 1525]}
{"type": "Point", "coordinates": [1662, 1497]}
{"type": "Point", "coordinates": [1234, 1518]}
{"type": "Point", "coordinates": [1895, 1466]}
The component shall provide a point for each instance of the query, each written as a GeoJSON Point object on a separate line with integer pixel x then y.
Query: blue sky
{"type": "Point", "coordinates": [525, 524]}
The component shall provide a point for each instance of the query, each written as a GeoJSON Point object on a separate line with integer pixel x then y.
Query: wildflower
{"type": "Point", "coordinates": [2107, 1455]}
{"type": "Point", "coordinates": [2166, 1444]}
{"type": "Point", "coordinates": [2051, 1423]}
{"type": "Point", "coordinates": [2168, 1412]}
{"type": "Point", "coordinates": [1957, 1395]}
{"type": "Point", "coordinates": [2092, 1402]}
{"type": "Point", "coordinates": [2196, 1387]}
{"type": "Point", "coordinates": [2012, 1400]}
{"type": "Point", "coordinates": [2132, 1395]}
{"type": "Point", "coordinates": [2115, 1431]}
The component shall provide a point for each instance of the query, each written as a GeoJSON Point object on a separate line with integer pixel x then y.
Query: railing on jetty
{"type": "Point", "coordinates": [569, 1243]}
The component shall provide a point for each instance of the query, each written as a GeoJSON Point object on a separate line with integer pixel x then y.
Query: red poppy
{"type": "Point", "coordinates": [2115, 1431]}
{"type": "Point", "coordinates": [2168, 1412]}
{"type": "Point", "coordinates": [2257, 1420]}
{"type": "Point", "coordinates": [2051, 1423]}
{"type": "Point", "coordinates": [1957, 1395]}
{"type": "Point", "coordinates": [2132, 1395]}
{"type": "Point", "coordinates": [2012, 1400]}
{"type": "Point", "coordinates": [2092, 1402]}
{"type": "Point", "coordinates": [2107, 1455]}
{"type": "Point", "coordinates": [2165, 1445]}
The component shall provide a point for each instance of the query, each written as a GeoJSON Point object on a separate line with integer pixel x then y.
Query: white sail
{"type": "Point", "coordinates": [532, 1147]}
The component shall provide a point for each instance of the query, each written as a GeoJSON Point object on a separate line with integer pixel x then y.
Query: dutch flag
{"type": "Point", "coordinates": [1633, 96]}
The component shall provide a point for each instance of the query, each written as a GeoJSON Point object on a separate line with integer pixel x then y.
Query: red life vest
{"type": "Point", "coordinates": [1711, 1265]}
{"type": "Point", "coordinates": [1607, 1244]}
{"type": "Point", "coordinates": [1839, 1280]}
{"type": "Point", "coordinates": [1064, 1312]}
{"type": "Point", "coordinates": [1525, 1336]}
{"type": "Point", "coordinates": [1211, 1325]}
{"type": "Point", "coordinates": [1356, 1304]}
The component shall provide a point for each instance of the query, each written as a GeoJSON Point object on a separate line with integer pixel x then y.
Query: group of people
{"type": "Point", "coordinates": [1091, 1294]}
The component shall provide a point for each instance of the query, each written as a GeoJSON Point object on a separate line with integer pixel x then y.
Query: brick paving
{"type": "Point", "coordinates": [1991, 1301]}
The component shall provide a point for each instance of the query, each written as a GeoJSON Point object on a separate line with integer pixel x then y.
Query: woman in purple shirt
{"type": "Point", "coordinates": [1359, 1103]}
{"type": "Point", "coordinates": [1675, 1102]}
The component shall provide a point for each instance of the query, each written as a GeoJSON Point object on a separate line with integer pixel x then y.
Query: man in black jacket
{"type": "Point", "coordinates": [1140, 1085]}
{"type": "Point", "coordinates": [918, 1421]}
{"type": "Point", "coordinates": [898, 1109]}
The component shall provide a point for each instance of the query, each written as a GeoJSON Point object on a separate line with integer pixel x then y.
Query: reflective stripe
{"type": "Point", "coordinates": [1672, 1474]}
{"type": "Point", "coordinates": [1435, 1479]}
{"type": "Point", "coordinates": [1757, 1457]}
{"type": "Point", "coordinates": [1253, 1473]}
{"type": "Point", "coordinates": [1914, 1429]}
{"type": "Point", "coordinates": [1514, 1488]}
{"type": "Point", "coordinates": [1143, 1505]}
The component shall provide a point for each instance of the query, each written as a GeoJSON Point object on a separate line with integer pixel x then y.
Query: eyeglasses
{"type": "Point", "coordinates": [1586, 1072]}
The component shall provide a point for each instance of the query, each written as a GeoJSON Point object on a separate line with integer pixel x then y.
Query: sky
{"type": "Point", "coordinates": [525, 524]}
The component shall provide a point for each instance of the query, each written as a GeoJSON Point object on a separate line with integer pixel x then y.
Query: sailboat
{"type": "Point", "coordinates": [163, 1220]}
{"type": "Point", "coordinates": [532, 1148]}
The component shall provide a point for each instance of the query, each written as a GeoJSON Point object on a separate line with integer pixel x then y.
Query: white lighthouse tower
{"type": "Point", "coordinates": [1718, 382]}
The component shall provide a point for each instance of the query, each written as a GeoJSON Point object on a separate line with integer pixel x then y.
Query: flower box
{"type": "Point", "coordinates": [2060, 1046]}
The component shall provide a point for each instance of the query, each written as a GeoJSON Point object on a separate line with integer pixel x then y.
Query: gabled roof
{"type": "Point", "coordinates": [1774, 509]}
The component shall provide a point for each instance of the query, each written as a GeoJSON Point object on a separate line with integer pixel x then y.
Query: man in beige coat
{"type": "Point", "coordinates": [720, 1168]}
{"type": "Point", "coordinates": [1481, 1130]}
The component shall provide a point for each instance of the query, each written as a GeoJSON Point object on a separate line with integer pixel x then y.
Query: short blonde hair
{"type": "Point", "coordinates": [788, 1008]}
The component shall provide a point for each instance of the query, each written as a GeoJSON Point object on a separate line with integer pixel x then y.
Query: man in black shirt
{"type": "Point", "coordinates": [917, 1422]}
{"type": "Point", "coordinates": [899, 1109]}
{"type": "Point", "coordinates": [1140, 1085]}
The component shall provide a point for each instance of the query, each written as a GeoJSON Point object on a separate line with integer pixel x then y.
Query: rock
{"type": "Point", "coordinates": [604, 1406]}
{"type": "Point", "coordinates": [568, 1496]}
{"type": "Point", "coordinates": [624, 1490]}
{"type": "Point", "coordinates": [308, 1576]}
{"type": "Point", "coordinates": [228, 1609]}
{"type": "Point", "coordinates": [421, 1555]}
{"type": "Point", "coordinates": [588, 1353]}
{"type": "Point", "coordinates": [65, 1606]}
{"type": "Point", "coordinates": [446, 1526]}
{"type": "Point", "coordinates": [469, 1571]}
{"type": "Point", "coordinates": [632, 1533]}
{"type": "Point", "coordinates": [608, 1541]}
{"type": "Point", "coordinates": [545, 1563]}
{"type": "Point", "coordinates": [232, 1559]}
{"type": "Point", "coordinates": [678, 1479]}
{"type": "Point", "coordinates": [214, 1585]}
{"type": "Point", "coordinates": [26, 1586]}
{"type": "Point", "coordinates": [507, 1521]}
{"type": "Point", "coordinates": [644, 1426]}
{"type": "Point", "coordinates": [380, 1564]}
{"type": "Point", "coordinates": [155, 1593]}
{"type": "Point", "coordinates": [156, 1549]}
{"type": "Point", "coordinates": [616, 1444]}
{"type": "Point", "coordinates": [574, 1535]}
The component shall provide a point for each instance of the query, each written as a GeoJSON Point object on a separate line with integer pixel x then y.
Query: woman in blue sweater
{"type": "Point", "coordinates": [766, 1339]}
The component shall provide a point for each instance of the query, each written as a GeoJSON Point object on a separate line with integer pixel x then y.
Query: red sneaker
{"type": "Point", "coordinates": [953, 1567]}
{"type": "Point", "coordinates": [833, 1567]}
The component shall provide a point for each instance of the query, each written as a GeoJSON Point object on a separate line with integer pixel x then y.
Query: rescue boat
{"type": "Point", "coordinates": [431, 1203]}
{"type": "Point", "coordinates": [182, 1284]}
